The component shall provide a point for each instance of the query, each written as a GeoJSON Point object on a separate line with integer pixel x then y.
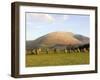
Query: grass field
{"type": "Point", "coordinates": [55, 59]}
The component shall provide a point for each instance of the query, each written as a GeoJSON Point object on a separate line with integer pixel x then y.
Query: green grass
{"type": "Point", "coordinates": [55, 59]}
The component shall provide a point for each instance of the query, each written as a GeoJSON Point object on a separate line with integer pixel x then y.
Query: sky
{"type": "Point", "coordinates": [39, 24]}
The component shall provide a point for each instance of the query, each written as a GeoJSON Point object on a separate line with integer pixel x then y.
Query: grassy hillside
{"type": "Point", "coordinates": [55, 59]}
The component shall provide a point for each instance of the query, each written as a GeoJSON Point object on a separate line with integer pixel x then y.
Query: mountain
{"type": "Point", "coordinates": [58, 39]}
{"type": "Point", "coordinates": [83, 39]}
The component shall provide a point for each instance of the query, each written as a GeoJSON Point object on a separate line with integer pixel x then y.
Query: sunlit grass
{"type": "Point", "coordinates": [55, 59]}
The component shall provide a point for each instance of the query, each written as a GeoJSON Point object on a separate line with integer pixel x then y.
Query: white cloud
{"type": "Point", "coordinates": [40, 17]}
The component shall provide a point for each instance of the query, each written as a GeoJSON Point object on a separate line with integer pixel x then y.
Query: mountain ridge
{"type": "Point", "coordinates": [57, 38]}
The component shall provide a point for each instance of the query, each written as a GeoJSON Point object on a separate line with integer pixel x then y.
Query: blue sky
{"type": "Point", "coordinates": [39, 24]}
